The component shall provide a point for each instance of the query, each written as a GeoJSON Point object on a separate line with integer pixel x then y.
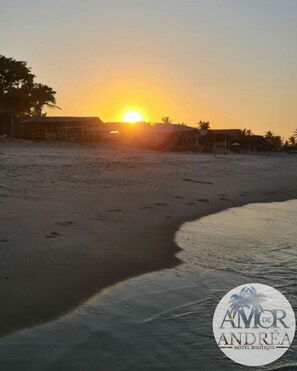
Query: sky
{"type": "Point", "coordinates": [230, 62]}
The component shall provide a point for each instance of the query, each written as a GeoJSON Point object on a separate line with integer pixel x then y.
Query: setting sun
{"type": "Point", "coordinates": [132, 116]}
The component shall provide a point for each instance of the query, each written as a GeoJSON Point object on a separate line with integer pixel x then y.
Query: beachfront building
{"type": "Point", "coordinates": [145, 135]}
{"type": "Point", "coordinates": [58, 128]}
{"type": "Point", "coordinates": [164, 136]}
{"type": "Point", "coordinates": [220, 140]}
{"type": "Point", "coordinates": [249, 143]}
{"type": "Point", "coordinates": [159, 136]}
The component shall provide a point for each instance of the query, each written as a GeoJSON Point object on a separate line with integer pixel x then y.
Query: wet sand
{"type": "Point", "coordinates": [76, 219]}
{"type": "Point", "coordinates": [163, 320]}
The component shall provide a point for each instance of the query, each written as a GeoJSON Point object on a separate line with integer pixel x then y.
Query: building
{"type": "Point", "coordinates": [161, 136]}
{"type": "Point", "coordinates": [164, 136]}
{"type": "Point", "coordinates": [249, 143]}
{"type": "Point", "coordinates": [221, 139]}
{"type": "Point", "coordinates": [145, 135]}
{"type": "Point", "coordinates": [58, 128]}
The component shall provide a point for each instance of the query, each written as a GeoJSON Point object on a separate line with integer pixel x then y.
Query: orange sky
{"type": "Point", "coordinates": [228, 62]}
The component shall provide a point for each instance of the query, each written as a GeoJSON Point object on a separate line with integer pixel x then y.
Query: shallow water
{"type": "Point", "coordinates": [163, 320]}
{"type": "Point", "coordinates": [258, 241]}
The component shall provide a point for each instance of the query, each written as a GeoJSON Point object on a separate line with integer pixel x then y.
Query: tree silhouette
{"type": "Point", "coordinates": [42, 95]}
{"type": "Point", "coordinates": [269, 135]}
{"type": "Point", "coordinates": [275, 140]}
{"type": "Point", "coordinates": [204, 125]}
{"type": "Point", "coordinates": [292, 141]}
{"type": "Point", "coordinates": [166, 120]}
{"type": "Point", "coordinates": [246, 132]}
{"type": "Point", "coordinates": [295, 133]}
{"type": "Point", "coordinates": [19, 93]}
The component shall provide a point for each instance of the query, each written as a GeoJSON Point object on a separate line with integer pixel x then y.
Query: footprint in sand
{"type": "Point", "coordinates": [203, 199]}
{"type": "Point", "coordinates": [269, 193]}
{"type": "Point", "coordinates": [53, 235]}
{"type": "Point", "coordinates": [66, 223]}
{"type": "Point", "coordinates": [3, 241]}
{"type": "Point", "coordinates": [100, 218]}
{"type": "Point", "coordinates": [244, 194]}
{"type": "Point", "coordinates": [114, 210]}
{"type": "Point", "coordinates": [179, 197]}
{"type": "Point", "coordinates": [160, 204]}
{"type": "Point", "coordinates": [224, 199]}
{"type": "Point", "coordinates": [145, 208]}
{"type": "Point", "coordinates": [190, 203]}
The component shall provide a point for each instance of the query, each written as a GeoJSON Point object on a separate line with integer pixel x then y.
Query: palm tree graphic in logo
{"type": "Point", "coordinates": [247, 298]}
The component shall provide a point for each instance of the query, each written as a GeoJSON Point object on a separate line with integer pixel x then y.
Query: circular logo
{"type": "Point", "coordinates": [254, 324]}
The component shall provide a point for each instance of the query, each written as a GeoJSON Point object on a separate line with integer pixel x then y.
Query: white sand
{"type": "Point", "coordinates": [76, 219]}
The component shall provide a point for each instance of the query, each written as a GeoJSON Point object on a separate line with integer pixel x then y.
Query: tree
{"type": "Point", "coordinates": [292, 141]}
{"type": "Point", "coordinates": [295, 133]}
{"type": "Point", "coordinates": [246, 132]}
{"type": "Point", "coordinates": [269, 135]}
{"type": "Point", "coordinates": [19, 93]}
{"type": "Point", "coordinates": [166, 120]}
{"type": "Point", "coordinates": [274, 140]}
{"type": "Point", "coordinates": [204, 125]}
{"type": "Point", "coordinates": [277, 141]}
{"type": "Point", "coordinates": [42, 95]}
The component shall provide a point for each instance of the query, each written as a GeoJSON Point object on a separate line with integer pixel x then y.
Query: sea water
{"type": "Point", "coordinates": [163, 320]}
{"type": "Point", "coordinates": [257, 241]}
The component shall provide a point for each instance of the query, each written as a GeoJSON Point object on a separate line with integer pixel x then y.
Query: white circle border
{"type": "Point", "coordinates": [253, 354]}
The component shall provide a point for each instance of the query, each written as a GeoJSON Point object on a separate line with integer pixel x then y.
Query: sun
{"type": "Point", "coordinates": [132, 117]}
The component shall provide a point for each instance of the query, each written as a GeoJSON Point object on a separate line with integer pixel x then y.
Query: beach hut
{"type": "Point", "coordinates": [221, 139]}
{"type": "Point", "coordinates": [58, 128]}
{"type": "Point", "coordinates": [164, 137]}
{"type": "Point", "coordinates": [252, 143]}
{"type": "Point", "coordinates": [146, 135]}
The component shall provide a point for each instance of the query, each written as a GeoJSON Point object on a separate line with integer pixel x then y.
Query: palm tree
{"type": "Point", "coordinates": [292, 141]}
{"type": "Point", "coordinates": [245, 132]}
{"type": "Point", "coordinates": [269, 135]}
{"type": "Point", "coordinates": [295, 134]}
{"type": "Point", "coordinates": [204, 125]}
{"type": "Point", "coordinates": [166, 120]}
{"type": "Point", "coordinates": [42, 95]}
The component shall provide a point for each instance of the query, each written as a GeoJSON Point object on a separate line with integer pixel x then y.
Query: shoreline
{"type": "Point", "coordinates": [61, 210]}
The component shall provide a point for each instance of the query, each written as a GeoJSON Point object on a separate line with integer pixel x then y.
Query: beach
{"type": "Point", "coordinates": [78, 219]}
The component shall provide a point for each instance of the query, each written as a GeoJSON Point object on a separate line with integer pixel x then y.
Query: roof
{"type": "Point", "coordinates": [250, 139]}
{"type": "Point", "coordinates": [232, 132]}
{"type": "Point", "coordinates": [171, 128]}
{"type": "Point", "coordinates": [114, 126]}
{"type": "Point", "coordinates": [158, 128]}
{"type": "Point", "coordinates": [50, 119]}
